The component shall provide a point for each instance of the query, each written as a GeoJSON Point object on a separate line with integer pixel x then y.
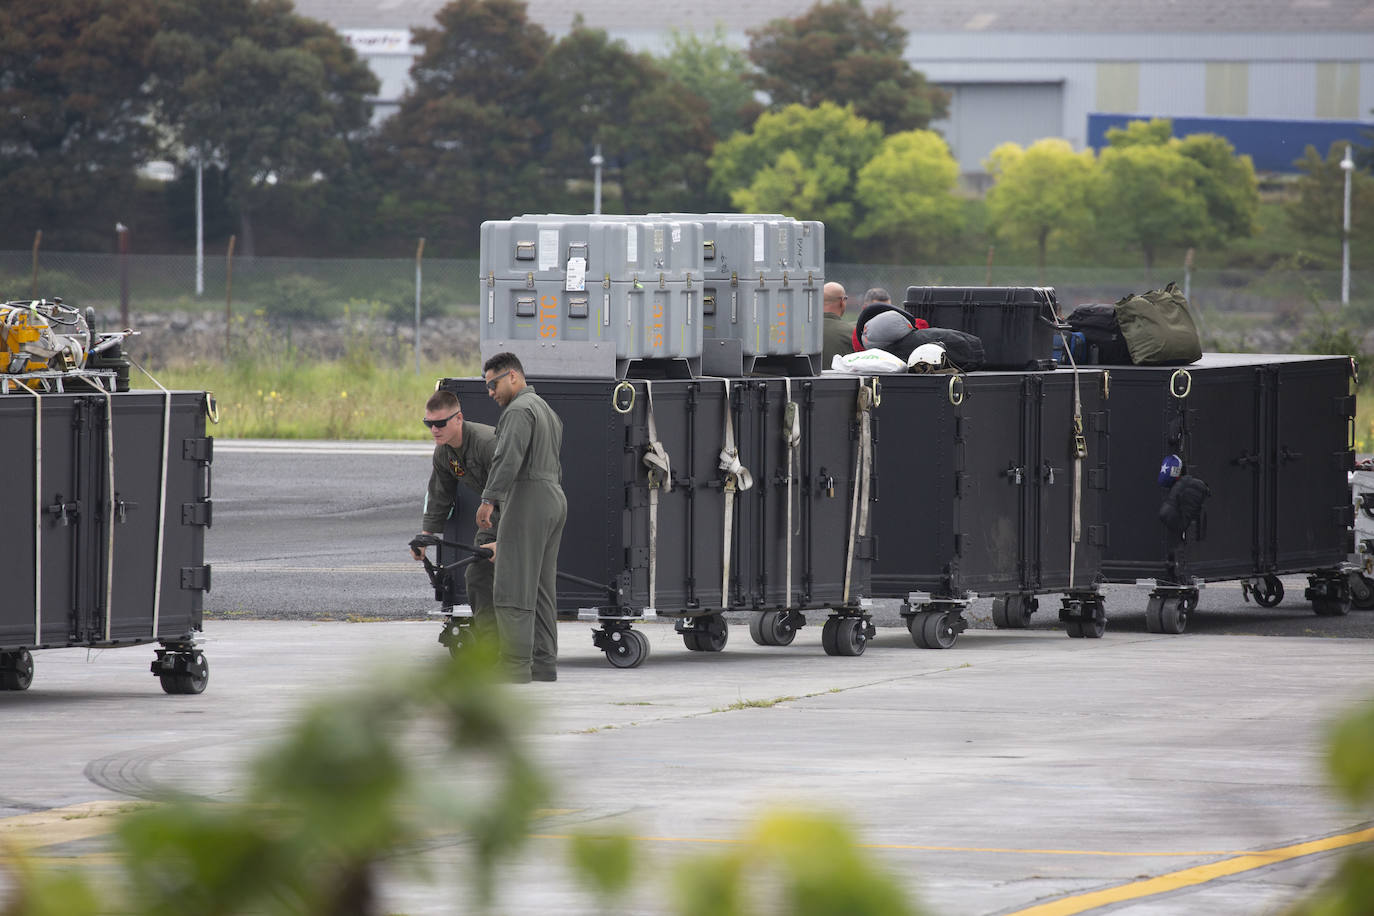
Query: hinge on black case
{"type": "Point", "coordinates": [1097, 535]}
{"type": "Point", "coordinates": [1097, 478]}
{"type": "Point", "coordinates": [195, 578]}
{"type": "Point", "coordinates": [202, 450]}
{"type": "Point", "coordinates": [866, 548]}
{"type": "Point", "coordinates": [196, 513]}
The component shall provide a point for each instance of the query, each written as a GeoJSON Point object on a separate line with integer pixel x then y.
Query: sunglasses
{"type": "Point", "coordinates": [440, 424]}
{"type": "Point", "coordinates": [491, 382]}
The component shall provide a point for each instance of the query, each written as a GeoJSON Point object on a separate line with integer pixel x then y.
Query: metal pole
{"type": "Point", "coordinates": [123, 232]}
{"type": "Point", "coordinates": [33, 286]}
{"type": "Point", "coordinates": [228, 293]}
{"type": "Point", "coordinates": [1188, 277]}
{"type": "Point", "coordinates": [1347, 166]}
{"type": "Point", "coordinates": [419, 253]}
{"type": "Point", "coordinates": [597, 162]}
{"type": "Point", "coordinates": [200, 226]}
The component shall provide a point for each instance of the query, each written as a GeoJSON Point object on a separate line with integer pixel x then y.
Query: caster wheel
{"type": "Point", "coordinates": [16, 670]}
{"type": "Point", "coordinates": [190, 676]}
{"type": "Point", "coordinates": [708, 635]}
{"type": "Point", "coordinates": [1094, 628]}
{"type": "Point", "coordinates": [628, 648]}
{"type": "Point", "coordinates": [1331, 607]}
{"type": "Point", "coordinates": [1013, 612]}
{"type": "Point", "coordinates": [772, 628]}
{"type": "Point", "coordinates": [1361, 591]}
{"type": "Point", "coordinates": [844, 636]}
{"type": "Point", "coordinates": [1166, 615]}
{"type": "Point", "coordinates": [933, 630]}
{"type": "Point", "coordinates": [1074, 628]}
{"type": "Point", "coordinates": [1269, 592]}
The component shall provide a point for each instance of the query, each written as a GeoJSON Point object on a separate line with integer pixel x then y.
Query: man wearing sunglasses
{"type": "Point", "coordinates": [525, 484]}
{"type": "Point", "coordinates": [463, 453]}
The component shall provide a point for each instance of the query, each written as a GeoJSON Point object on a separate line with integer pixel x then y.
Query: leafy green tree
{"type": "Point", "coordinates": [271, 97]}
{"type": "Point", "coordinates": [718, 73]}
{"type": "Point", "coordinates": [464, 145]}
{"type": "Point", "coordinates": [1041, 193]}
{"type": "Point", "coordinates": [73, 117]}
{"type": "Point", "coordinates": [840, 52]}
{"type": "Point", "coordinates": [1147, 196]}
{"type": "Point", "coordinates": [1318, 208]}
{"type": "Point", "coordinates": [907, 192]}
{"type": "Point", "coordinates": [654, 137]}
{"type": "Point", "coordinates": [817, 152]}
{"type": "Point", "coordinates": [1154, 132]}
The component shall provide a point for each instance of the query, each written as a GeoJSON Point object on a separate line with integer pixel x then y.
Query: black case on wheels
{"type": "Point", "coordinates": [606, 433]}
{"type": "Point", "coordinates": [81, 550]}
{"type": "Point", "coordinates": [975, 495]}
{"type": "Point", "coordinates": [1272, 439]}
{"type": "Point", "coordinates": [1015, 323]}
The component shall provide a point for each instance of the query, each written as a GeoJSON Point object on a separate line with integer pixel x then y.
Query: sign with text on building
{"type": "Point", "coordinates": [379, 41]}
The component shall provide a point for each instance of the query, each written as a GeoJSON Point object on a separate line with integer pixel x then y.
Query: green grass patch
{"type": "Point", "coordinates": [287, 399]}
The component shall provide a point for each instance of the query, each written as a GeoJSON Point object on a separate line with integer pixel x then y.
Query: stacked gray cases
{"type": "Point", "coordinates": [763, 302]}
{"type": "Point", "coordinates": [593, 296]}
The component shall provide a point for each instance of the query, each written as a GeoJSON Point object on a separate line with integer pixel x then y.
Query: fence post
{"type": "Point", "coordinates": [33, 285]}
{"type": "Point", "coordinates": [419, 253]}
{"type": "Point", "coordinates": [987, 277]}
{"type": "Point", "coordinates": [123, 232]}
{"type": "Point", "coordinates": [229, 294]}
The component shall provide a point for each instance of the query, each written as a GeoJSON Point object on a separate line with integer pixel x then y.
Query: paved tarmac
{"type": "Point", "coordinates": [1017, 770]}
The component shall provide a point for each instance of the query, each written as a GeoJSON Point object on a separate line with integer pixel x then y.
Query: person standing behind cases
{"type": "Point", "coordinates": [525, 482]}
{"type": "Point", "coordinates": [879, 295]}
{"type": "Point", "coordinates": [839, 334]}
{"type": "Point", "coordinates": [463, 453]}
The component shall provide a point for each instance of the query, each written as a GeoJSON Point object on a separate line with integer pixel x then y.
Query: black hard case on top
{"type": "Point", "coordinates": [1270, 435]}
{"type": "Point", "coordinates": [606, 538]}
{"type": "Point", "coordinates": [70, 522]}
{"type": "Point", "coordinates": [975, 484]}
{"type": "Point", "coordinates": [1015, 323]}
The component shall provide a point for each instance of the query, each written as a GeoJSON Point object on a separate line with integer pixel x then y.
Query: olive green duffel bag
{"type": "Point", "coordinates": [1158, 328]}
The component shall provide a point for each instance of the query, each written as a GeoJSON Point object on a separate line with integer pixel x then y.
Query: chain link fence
{"type": "Point", "coordinates": [1264, 310]}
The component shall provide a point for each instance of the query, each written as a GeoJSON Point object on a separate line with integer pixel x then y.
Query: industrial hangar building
{"type": "Point", "coordinates": [1271, 75]}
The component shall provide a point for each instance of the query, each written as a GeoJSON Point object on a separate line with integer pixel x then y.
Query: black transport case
{"type": "Point", "coordinates": [606, 433]}
{"type": "Point", "coordinates": [975, 495]}
{"type": "Point", "coordinates": [96, 550]}
{"type": "Point", "coordinates": [1015, 323]}
{"type": "Point", "coordinates": [1272, 438]}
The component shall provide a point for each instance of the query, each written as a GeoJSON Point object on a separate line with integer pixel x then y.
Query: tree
{"type": "Point", "coordinates": [268, 95]}
{"type": "Point", "coordinates": [655, 138]}
{"type": "Point", "coordinates": [1228, 184]}
{"type": "Point", "coordinates": [907, 194]}
{"type": "Point", "coordinates": [1041, 193]}
{"type": "Point", "coordinates": [816, 152]}
{"type": "Point", "coordinates": [719, 74]}
{"type": "Point", "coordinates": [841, 53]}
{"type": "Point", "coordinates": [464, 145]}
{"type": "Point", "coordinates": [1318, 209]}
{"type": "Point", "coordinates": [73, 116]}
{"type": "Point", "coordinates": [1147, 196]}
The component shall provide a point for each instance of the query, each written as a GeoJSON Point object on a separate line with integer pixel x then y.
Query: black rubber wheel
{"type": "Point", "coordinates": [934, 630]}
{"type": "Point", "coordinates": [1331, 607]}
{"type": "Point", "coordinates": [709, 634]}
{"type": "Point", "coordinates": [628, 649]}
{"type": "Point", "coordinates": [830, 637]}
{"type": "Point", "coordinates": [772, 628]}
{"type": "Point", "coordinates": [188, 678]}
{"type": "Point", "coordinates": [1094, 628]}
{"type": "Point", "coordinates": [851, 636]}
{"type": "Point", "coordinates": [1271, 592]}
{"type": "Point", "coordinates": [1074, 628]}
{"type": "Point", "coordinates": [1361, 591]}
{"type": "Point", "coordinates": [1166, 615]}
{"type": "Point", "coordinates": [1013, 612]}
{"type": "Point", "coordinates": [17, 671]}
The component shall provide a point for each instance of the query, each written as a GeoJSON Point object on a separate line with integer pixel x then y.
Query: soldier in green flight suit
{"type": "Point", "coordinates": [463, 453]}
{"type": "Point", "coordinates": [525, 482]}
{"type": "Point", "coordinates": [838, 333]}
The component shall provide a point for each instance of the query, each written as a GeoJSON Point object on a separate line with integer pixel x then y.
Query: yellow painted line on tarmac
{"type": "Point", "coordinates": [1190, 877]}
{"type": "Point", "coordinates": [61, 825]}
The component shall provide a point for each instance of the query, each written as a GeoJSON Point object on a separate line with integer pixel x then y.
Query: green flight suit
{"type": "Point", "coordinates": [838, 338]}
{"type": "Point", "coordinates": [469, 464]}
{"type": "Point", "coordinates": [525, 482]}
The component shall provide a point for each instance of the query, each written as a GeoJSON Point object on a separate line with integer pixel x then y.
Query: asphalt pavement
{"type": "Point", "coordinates": [1020, 771]}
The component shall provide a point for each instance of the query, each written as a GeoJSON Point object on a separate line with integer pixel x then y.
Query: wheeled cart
{"type": "Point", "coordinates": [691, 498]}
{"type": "Point", "coordinates": [1271, 437]}
{"type": "Point", "coordinates": [990, 483]}
{"type": "Point", "coordinates": [107, 501]}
